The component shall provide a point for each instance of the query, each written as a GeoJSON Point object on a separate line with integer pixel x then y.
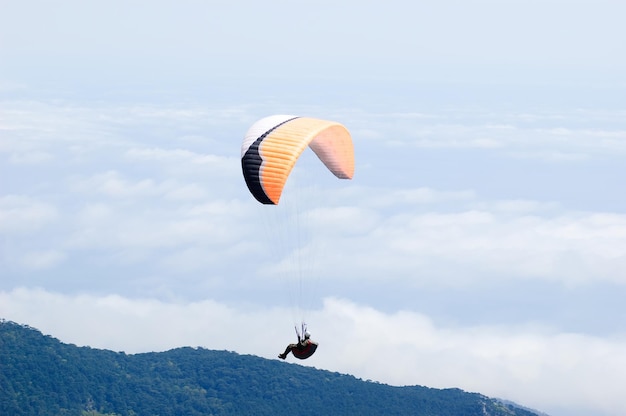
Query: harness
{"type": "Point", "coordinates": [304, 351]}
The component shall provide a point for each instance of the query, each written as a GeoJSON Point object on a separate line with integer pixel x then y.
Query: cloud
{"type": "Point", "coordinates": [151, 202]}
{"type": "Point", "coordinates": [519, 206]}
{"type": "Point", "coordinates": [183, 203]}
{"type": "Point", "coordinates": [458, 247]}
{"type": "Point", "coordinates": [114, 185]}
{"type": "Point", "coordinates": [23, 214]}
{"type": "Point", "coordinates": [557, 137]}
{"type": "Point", "coordinates": [426, 236]}
{"type": "Point", "coordinates": [44, 126]}
{"type": "Point", "coordinates": [30, 158]}
{"type": "Point", "coordinates": [389, 197]}
{"type": "Point", "coordinates": [533, 365]}
{"type": "Point", "coordinates": [118, 226]}
{"type": "Point", "coordinates": [505, 361]}
{"type": "Point", "coordinates": [186, 162]}
{"type": "Point", "coordinates": [40, 260]}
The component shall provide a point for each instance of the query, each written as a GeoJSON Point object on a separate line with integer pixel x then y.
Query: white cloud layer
{"type": "Point", "coordinates": [23, 214]}
{"type": "Point", "coordinates": [142, 211]}
{"type": "Point", "coordinates": [558, 136]}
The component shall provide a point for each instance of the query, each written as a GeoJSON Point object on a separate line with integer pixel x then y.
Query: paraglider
{"type": "Point", "coordinates": [269, 152]}
{"type": "Point", "coordinates": [303, 349]}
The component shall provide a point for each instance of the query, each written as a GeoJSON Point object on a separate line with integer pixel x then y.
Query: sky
{"type": "Point", "coordinates": [480, 245]}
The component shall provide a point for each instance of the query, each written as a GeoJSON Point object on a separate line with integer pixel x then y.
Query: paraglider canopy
{"type": "Point", "coordinates": [273, 144]}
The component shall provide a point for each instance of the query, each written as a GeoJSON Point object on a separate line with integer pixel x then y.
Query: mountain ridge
{"type": "Point", "coordinates": [41, 375]}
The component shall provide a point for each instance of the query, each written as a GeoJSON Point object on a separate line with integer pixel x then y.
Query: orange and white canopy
{"type": "Point", "coordinates": [273, 145]}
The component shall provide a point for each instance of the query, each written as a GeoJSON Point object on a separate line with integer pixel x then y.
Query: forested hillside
{"type": "Point", "coordinates": [39, 375]}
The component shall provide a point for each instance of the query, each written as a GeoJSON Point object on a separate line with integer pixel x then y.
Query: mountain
{"type": "Point", "coordinates": [39, 375]}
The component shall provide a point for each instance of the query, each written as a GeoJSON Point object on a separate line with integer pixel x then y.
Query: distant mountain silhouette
{"type": "Point", "coordinates": [39, 375]}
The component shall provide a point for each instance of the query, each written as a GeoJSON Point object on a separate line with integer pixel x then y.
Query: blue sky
{"type": "Point", "coordinates": [481, 244]}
